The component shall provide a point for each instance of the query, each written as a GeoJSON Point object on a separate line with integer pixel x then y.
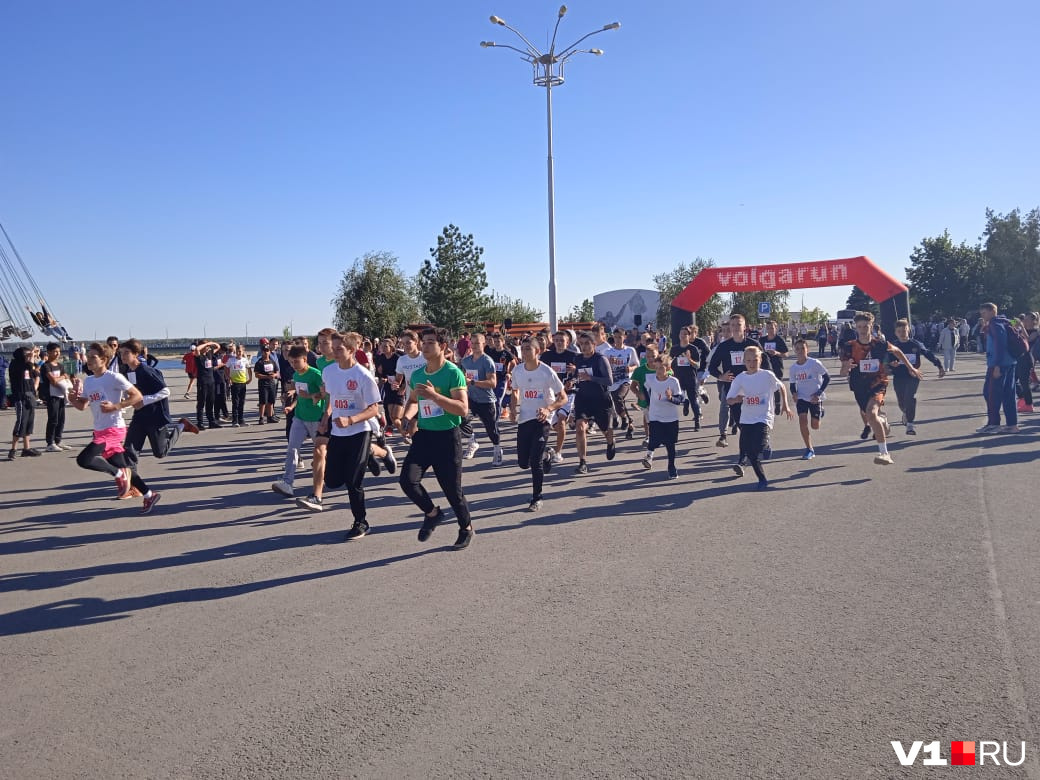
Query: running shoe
{"type": "Point", "coordinates": [722, 442]}
{"type": "Point", "coordinates": [373, 465]}
{"type": "Point", "coordinates": [988, 429]}
{"type": "Point", "coordinates": [53, 448]}
{"type": "Point", "coordinates": [557, 457]}
{"type": "Point", "coordinates": [30, 453]}
{"type": "Point", "coordinates": [629, 433]}
{"type": "Point", "coordinates": [808, 455]}
{"type": "Point", "coordinates": [646, 444]}
{"type": "Point", "coordinates": [865, 433]}
{"type": "Point", "coordinates": [673, 473]}
{"type": "Point", "coordinates": [359, 529]}
{"type": "Point", "coordinates": [429, 524]}
{"type": "Point", "coordinates": [496, 459]}
{"type": "Point", "coordinates": [1021, 406]}
{"type": "Point", "coordinates": [733, 430]}
{"type": "Point", "coordinates": [389, 460]}
{"type": "Point", "coordinates": [123, 483]}
{"type": "Point", "coordinates": [150, 502]}
{"type": "Point", "coordinates": [535, 505]}
{"type": "Point", "coordinates": [704, 397]}
{"type": "Point", "coordinates": [215, 425]}
{"type": "Point", "coordinates": [282, 488]}
{"type": "Point", "coordinates": [260, 421]}
{"type": "Point", "coordinates": [611, 450]}
{"type": "Point", "coordinates": [697, 426]}
{"type": "Point", "coordinates": [471, 450]}
{"type": "Point", "coordinates": [312, 503]}
{"type": "Point", "coordinates": [1009, 429]}
{"type": "Point", "coordinates": [583, 468]}
{"type": "Point", "coordinates": [234, 425]}
{"type": "Point", "coordinates": [738, 470]}
{"type": "Point", "coordinates": [464, 538]}
{"type": "Point", "coordinates": [883, 460]}
{"type": "Point", "coordinates": [648, 461]}
{"type": "Point", "coordinates": [910, 429]}
{"type": "Point", "coordinates": [686, 407]}
{"type": "Point", "coordinates": [763, 484]}
{"type": "Point", "coordinates": [273, 419]}
{"type": "Point", "coordinates": [66, 446]}
{"type": "Point", "coordinates": [547, 464]}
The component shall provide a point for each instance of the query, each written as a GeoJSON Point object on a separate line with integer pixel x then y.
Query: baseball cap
{"type": "Point", "coordinates": [264, 341]}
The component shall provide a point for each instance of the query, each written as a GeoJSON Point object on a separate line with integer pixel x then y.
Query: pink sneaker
{"type": "Point", "coordinates": [150, 502]}
{"type": "Point", "coordinates": [123, 483]}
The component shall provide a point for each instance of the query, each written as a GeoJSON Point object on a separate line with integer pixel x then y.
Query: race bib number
{"type": "Point", "coordinates": [559, 368]}
{"type": "Point", "coordinates": [736, 358]}
{"type": "Point", "coordinates": [911, 358]}
{"type": "Point", "coordinates": [345, 405]}
{"type": "Point", "coordinates": [753, 400]}
{"type": "Point", "coordinates": [302, 387]}
{"type": "Point", "coordinates": [130, 375]}
{"type": "Point", "coordinates": [801, 376]}
{"type": "Point", "coordinates": [428, 409]}
{"type": "Point", "coordinates": [769, 346]}
{"type": "Point", "coordinates": [471, 375]}
{"type": "Point", "coordinates": [869, 366]}
{"type": "Point", "coordinates": [534, 394]}
{"type": "Point", "coordinates": [58, 373]}
{"type": "Point", "coordinates": [268, 368]}
{"type": "Point", "coordinates": [583, 373]}
{"type": "Point", "coordinates": [27, 374]}
{"type": "Point", "coordinates": [500, 367]}
{"type": "Point", "coordinates": [682, 361]}
{"type": "Point", "coordinates": [208, 364]}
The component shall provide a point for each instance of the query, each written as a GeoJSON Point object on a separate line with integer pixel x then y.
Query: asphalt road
{"type": "Point", "coordinates": [636, 627]}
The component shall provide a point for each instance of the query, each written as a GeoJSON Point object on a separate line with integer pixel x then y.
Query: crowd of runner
{"type": "Point", "coordinates": [350, 395]}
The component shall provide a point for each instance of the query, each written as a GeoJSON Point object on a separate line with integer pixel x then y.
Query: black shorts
{"type": "Point", "coordinates": [266, 390]}
{"type": "Point", "coordinates": [662, 433]}
{"type": "Point", "coordinates": [24, 416]}
{"type": "Point", "coordinates": [814, 410]}
{"type": "Point", "coordinates": [865, 393]}
{"type": "Point", "coordinates": [597, 411]}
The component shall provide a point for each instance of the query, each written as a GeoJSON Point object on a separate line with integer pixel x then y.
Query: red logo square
{"type": "Point", "coordinates": [962, 753]}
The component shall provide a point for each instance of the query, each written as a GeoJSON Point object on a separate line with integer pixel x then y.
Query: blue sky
{"type": "Point", "coordinates": [180, 166]}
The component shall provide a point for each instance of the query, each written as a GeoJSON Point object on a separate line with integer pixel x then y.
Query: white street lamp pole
{"type": "Point", "coordinates": [548, 73]}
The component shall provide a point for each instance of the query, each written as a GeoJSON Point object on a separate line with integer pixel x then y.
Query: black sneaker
{"type": "Point", "coordinates": [215, 425]}
{"type": "Point", "coordinates": [738, 470]}
{"type": "Point", "coordinates": [583, 468]}
{"type": "Point", "coordinates": [733, 430]}
{"type": "Point", "coordinates": [767, 453]}
{"type": "Point", "coordinates": [866, 433]}
{"type": "Point", "coordinates": [547, 464]}
{"type": "Point", "coordinates": [429, 524]}
{"type": "Point", "coordinates": [11, 455]}
{"type": "Point", "coordinates": [686, 408]}
{"type": "Point", "coordinates": [30, 453]}
{"type": "Point", "coordinates": [272, 419]}
{"type": "Point", "coordinates": [260, 421]}
{"type": "Point", "coordinates": [373, 465]}
{"type": "Point", "coordinates": [611, 451]}
{"type": "Point", "coordinates": [464, 538]}
{"type": "Point", "coordinates": [628, 433]}
{"type": "Point", "coordinates": [359, 529]}
{"type": "Point", "coordinates": [697, 426]}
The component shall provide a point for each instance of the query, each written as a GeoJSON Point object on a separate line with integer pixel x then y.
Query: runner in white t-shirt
{"type": "Point", "coordinates": [753, 389]}
{"type": "Point", "coordinates": [407, 364]}
{"type": "Point", "coordinates": [809, 379]}
{"type": "Point", "coordinates": [541, 395]}
{"type": "Point", "coordinates": [623, 361]}
{"type": "Point", "coordinates": [665, 395]}
{"type": "Point", "coordinates": [107, 393]}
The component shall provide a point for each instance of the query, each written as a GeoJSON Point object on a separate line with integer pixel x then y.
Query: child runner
{"type": "Point", "coordinates": [905, 384]}
{"type": "Point", "coordinates": [265, 369]}
{"type": "Point", "coordinates": [665, 394]}
{"type": "Point", "coordinates": [309, 407]}
{"type": "Point", "coordinates": [107, 393]}
{"type": "Point", "coordinates": [541, 395]}
{"type": "Point", "coordinates": [808, 381]}
{"type": "Point", "coordinates": [239, 374]}
{"type": "Point", "coordinates": [24, 376]}
{"type": "Point", "coordinates": [753, 390]}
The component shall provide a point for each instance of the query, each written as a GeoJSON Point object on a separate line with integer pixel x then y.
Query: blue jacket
{"type": "Point", "coordinates": [996, 343]}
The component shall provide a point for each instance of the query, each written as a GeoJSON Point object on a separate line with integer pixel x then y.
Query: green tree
{"type": "Point", "coordinates": [582, 312]}
{"type": "Point", "coordinates": [860, 301]}
{"type": "Point", "coordinates": [452, 282]}
{"type": "Point", "coordinates": [374, 298]}
{"type": "Point", "coordinates": [1011, 278]}
{"type": "Point", "coordinates": [499, 308]}
{"type": "Point", "coordinates": [671, 283]}
{"type": "Point", "coordinates": [747, 304]}
{"type": "Point", "coordinates": [945, 278]}
{"type": "Point", "coordinates": [814, 316]}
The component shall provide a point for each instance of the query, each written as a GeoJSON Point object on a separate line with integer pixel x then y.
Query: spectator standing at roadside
{"type": "Point", "coordinates": [949, 337]}
{"type": "Point", "coordinates": [999, 386]}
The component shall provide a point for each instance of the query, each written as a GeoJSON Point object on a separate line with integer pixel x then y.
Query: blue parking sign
{"type": "Point", "coordinates": [764, 308]}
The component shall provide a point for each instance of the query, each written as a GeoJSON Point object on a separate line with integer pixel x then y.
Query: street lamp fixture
{"type": "Point", "coordinates": [548, 73]}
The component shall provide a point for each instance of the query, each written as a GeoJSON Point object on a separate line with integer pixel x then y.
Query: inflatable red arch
{"type": "Point", "coordinates": [891, 294]}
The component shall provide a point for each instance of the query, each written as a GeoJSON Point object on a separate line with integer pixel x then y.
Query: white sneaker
{"type": "Point", "coordinates": [471, 450]}
{"type": "Point", "coordinates": [53, 448]}
{"type": "Point", "coordinates": [883, 460]}
{"type": "Point", "coordinates": [988, 429]}
{"type": "Point", "coordinates": [496, 459]}
{"type": "Point", "coordinates": [648, 461]}
{"type": "Point", "coordinates": [911, 430]}
{"type": "Point", "coordinates": [282, 488]}
{"type": "Point", "coordinates": [557, 457]}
